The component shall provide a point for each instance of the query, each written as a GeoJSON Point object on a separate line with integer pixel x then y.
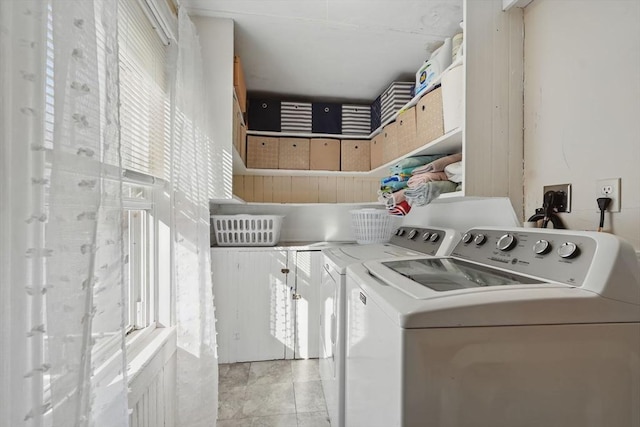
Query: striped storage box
{"type": "Point", "coordinates": [295, 117]}
{"type": "Point", "coordinates": [356, 119]}
{"type": "Point", "coordinates": [376, 114]}
{"type": "Point", "coordinates": [394, 98]}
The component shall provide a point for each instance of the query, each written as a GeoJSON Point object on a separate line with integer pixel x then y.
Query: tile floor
{"type": "Point", "coordinates": [276, 393]}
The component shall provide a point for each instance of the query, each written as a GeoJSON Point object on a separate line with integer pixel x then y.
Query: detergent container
{"type": "Point", "coordinates": [440, 59]}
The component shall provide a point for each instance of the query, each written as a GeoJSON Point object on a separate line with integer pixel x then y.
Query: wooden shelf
{"type": "Point", "coordinates": [448, 143]}
{"type": "Point", "coordinates": [305, 135]}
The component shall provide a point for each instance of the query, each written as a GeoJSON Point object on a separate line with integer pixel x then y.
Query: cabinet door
{"type": "Point", "coordinates": [308, 279]}
{"type": "Point", "coordinates": [253, 301]}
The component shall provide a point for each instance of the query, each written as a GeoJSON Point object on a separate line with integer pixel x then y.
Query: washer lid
{"type": "Point", "coordinates": [343, 256]}
{"type": "Point", "coordinates": [445, 274]}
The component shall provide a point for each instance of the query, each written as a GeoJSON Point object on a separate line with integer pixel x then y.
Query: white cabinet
{"type": "Point", "coordinates": [266, 303]}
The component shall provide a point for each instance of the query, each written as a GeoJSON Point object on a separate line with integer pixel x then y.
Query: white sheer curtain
{"type": "Point", "coordinates": [61, 195]}
{"type": "Point", "coordinates": [197, 378]}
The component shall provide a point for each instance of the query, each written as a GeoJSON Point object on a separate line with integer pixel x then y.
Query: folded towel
{"type": "Point", "coordinates": [423, 178]}
{"type": "Point", "coordinates": [394, 178]}
{"type": "Point", "coordinates": [438, 165]}
{"type": "Point", "coordinates": [390, 200]}
{"type": "Point", "coordinates": [454, 172]}
{"type": "Point", "coordinates": [400, 209]}
{"type": "Point", "coordinates": [412, 162]}
{"type": "Point", "coordinates": [425, 193]}
{"type": "Point", "coordinates": [393, 186]}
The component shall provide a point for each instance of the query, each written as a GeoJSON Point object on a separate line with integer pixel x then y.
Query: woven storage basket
{"type": "Point", "coordinates": [355, 155]}
{"type": "Point", "coordinates": [262, 152]}
{"type": "Point", "coordinates": [293, 153]}
{"type": "Point", "coordinates": [246, 230]}
{"type": "Point", "coordinates": [372, 225]}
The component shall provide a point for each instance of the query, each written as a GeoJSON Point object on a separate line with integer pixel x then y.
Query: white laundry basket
{"type": "Point", "coordinates": [246, 230]}
{"type": "Point", "coordinates": [372, 225]}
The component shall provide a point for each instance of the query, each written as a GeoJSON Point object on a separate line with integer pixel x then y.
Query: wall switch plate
{"type": "Point", "coordinates": [565, 205]}
{"type": "Point", "coordinates": [609, 188]}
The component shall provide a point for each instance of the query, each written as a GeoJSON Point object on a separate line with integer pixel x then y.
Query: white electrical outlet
{"type": "Point", "coordinates": [609, 188]}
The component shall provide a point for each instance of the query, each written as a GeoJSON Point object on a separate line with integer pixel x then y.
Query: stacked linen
{"type": "Point", "coordinates": [393, 187]}
{"type": "Point", "coordinates": [430, 180]}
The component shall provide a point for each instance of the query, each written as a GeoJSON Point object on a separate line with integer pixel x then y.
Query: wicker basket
{"type": "Point", "coordinates": [372, 225]}
{"type": "Point", "coordinates": [246, 230]}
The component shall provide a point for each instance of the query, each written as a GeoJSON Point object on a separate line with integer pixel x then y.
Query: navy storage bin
{"type": "Point", "coordinates": [326, 118]}
{"type": "Point", "coordinates": [264, 114]}
{"type": "Point", "coordinates": [376, 113]}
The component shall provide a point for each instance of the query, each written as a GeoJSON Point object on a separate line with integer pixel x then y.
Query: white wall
{"type": "Point", "coordinates": [216, 40]}
{"type": "Point", "coordinates": [582, 106]}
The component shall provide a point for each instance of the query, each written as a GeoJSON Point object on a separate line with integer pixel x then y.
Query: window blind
{"type": "Point", "coordinates": [144, 111]}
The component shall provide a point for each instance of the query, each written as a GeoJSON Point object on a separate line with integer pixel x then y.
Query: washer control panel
{"type": "Point", "coordinates": [419, 239]}
{"type": "Point", "coordinates": [559, 257]}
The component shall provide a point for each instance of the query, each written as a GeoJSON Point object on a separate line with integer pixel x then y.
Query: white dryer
{"type": "Point", "coordinates": [518, 327]}
{"type": "Point", "coordinates": [407, 241]}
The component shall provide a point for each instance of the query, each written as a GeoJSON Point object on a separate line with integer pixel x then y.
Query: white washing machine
{"type": "Point", "coordinates": [518, 327]}
{"type": "Point", "coordinates": [407, 241]}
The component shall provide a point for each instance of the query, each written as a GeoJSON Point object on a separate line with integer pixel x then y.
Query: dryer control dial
{"type": "Point", "coordinates": [568, 250]}
{"type": "Point", "coordinates": [480, 239]}
{"type": "Point", "coordinates": [541, 247]}
{"type": "Point", "coordinates": [400, 232]}
{"type": "Point", "coordinates": [506, 242]}
{"type": "Point", "coordinates": [412, 234]}
{"type": "Point", "coordinates": [467, 238]}
{"type": "Point", "coordinates": [434, 237]}
{"type": "Point", "coordinates": [426, 236]}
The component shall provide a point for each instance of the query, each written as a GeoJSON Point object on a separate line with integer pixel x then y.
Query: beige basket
{"type": "Point", "coordinates": [262, 152]}
{"type": "Point", "coordinates": [293, 153]}
{"type": "Point", "coordinates": [355, 155]}
{"type": "Point", "coordinates": [246, 230]}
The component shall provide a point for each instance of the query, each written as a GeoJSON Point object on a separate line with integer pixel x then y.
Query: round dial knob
{"type": "Point", "coordinates": [568, 250]}
{"type": "Point", "coordinates": [467, 238]}
{"type": "Point", "coordinates": [506, 242]}
{"type": "Point", "coordinates": [480, 239]}
{"type": "Point", "coordinates": [542, 247]}
{"type": "Point", "coordinates": [426, 236]}
{"type": "Point", "coordinates": [400, 232]}
{"type": "Point", "coordinates": [413, 233]}
{"type": "Point", "coordinates": [434, 237]}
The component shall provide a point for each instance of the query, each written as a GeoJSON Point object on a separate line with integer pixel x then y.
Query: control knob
{"type": "Point", "coordinates": [568, 250]}
{"type": "Point", "coordinates": [480, 239]}
{"type": "Point", "coordinates": [413, 233]}
{"type": "Point", "coordinates": [506, 242]}
{"type": "Point", "coordinates": [426, 236]}
{"type": "Point", "coordinates": [542, 247]}
{"type": "Point", "coordinates": [434, 237]}
{"type": "Point", "coordinates": [467, 238]}
{"type": "Point", "coordinates": [400, 232]}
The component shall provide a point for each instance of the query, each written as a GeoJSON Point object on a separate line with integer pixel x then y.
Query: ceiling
{"type": "Point", "coordinates": [333, 50]}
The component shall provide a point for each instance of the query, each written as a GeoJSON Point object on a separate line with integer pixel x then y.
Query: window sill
{"type": "Point", "coordinates": [149, 350]}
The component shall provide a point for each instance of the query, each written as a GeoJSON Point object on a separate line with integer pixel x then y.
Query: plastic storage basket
{"type": "Point", "coordinates": [372, 225]}
{"type": "Point", "coordinates": [246, 230]}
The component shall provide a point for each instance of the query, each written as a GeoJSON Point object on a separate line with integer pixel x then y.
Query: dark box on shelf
{"type": "Point", "coordinates": [264, 114]}
{"type": "Point", "coordinates": [326, 118]}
